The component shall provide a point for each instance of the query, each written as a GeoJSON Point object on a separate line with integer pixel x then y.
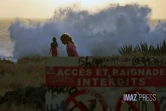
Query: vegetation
{"type": "Point", "coordinates": [29, 71]}
{"type": "Point", "coordinates": [144, 49]}
{"type": "Point", "coordinates": [14, 107]}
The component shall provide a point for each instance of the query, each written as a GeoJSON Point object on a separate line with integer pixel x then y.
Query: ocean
{"type": "Point", "coordinates": [97, 34]}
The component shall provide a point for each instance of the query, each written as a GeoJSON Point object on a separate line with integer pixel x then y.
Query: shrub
{"type": "Point", "coordinates": [144, 49]}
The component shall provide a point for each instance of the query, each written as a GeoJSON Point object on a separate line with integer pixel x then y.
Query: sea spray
{"type": "Point", "coordinates": [96, 34]}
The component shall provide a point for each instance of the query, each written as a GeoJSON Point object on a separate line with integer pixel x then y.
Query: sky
{"type": "Point", "coordinates": [46, 8]}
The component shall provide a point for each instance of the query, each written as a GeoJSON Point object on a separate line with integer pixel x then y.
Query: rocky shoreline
{"type": "Point", "coordinates": [33, 97]}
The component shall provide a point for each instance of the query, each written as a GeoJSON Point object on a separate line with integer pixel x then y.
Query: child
{"type": "Point", "coordinates": [53, 48]}
{"type": "Point", "coordinates": [70, 46]}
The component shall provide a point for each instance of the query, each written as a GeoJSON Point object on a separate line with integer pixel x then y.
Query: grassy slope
{"type": "Point", "coordinates": [27, 72]}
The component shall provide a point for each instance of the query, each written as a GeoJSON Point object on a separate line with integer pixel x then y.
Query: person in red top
{"type": "Point", "coordinates": [70, 45]}
{"type": "Point", "coordinates": [53, 47]}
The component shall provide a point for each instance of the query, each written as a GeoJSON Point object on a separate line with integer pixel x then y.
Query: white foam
{"type": "Point", "coordinates": [99, 34]}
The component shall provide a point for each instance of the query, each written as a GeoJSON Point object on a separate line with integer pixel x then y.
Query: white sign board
{"type": "Point", "coordinates": [102, 83]}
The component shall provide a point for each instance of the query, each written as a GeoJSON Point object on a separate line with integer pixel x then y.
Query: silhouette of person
{"type": "Point", "coordinates": [53, 47]}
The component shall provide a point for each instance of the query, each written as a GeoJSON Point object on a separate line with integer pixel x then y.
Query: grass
{"type": "Point", "coordinates": [29, 71]}
{"type": "Point", "coordinates": [14, 107]}
{"type": "Point", "coordinates": [144, 49]}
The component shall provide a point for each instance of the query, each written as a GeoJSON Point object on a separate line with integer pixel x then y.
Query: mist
{"type": "Point", "coordinates": [96, 34]}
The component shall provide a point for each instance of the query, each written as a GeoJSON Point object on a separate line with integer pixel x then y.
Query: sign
{"type": "Point", "coordinates": [82, 107]}
{"type": "Point", "coordinates": [98, 77]}
{"type": "Point", "coordinates": [98, 83]}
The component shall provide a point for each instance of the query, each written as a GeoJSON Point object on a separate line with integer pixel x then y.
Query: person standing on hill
{"type": "Point", "coordinates": [70, 45]}
{"type": "Point", "coordinates": [53, 47]}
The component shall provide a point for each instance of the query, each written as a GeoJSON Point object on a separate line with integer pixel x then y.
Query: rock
{"type": "Point", "coordinates": [4, 60]}
{"type": "Point", "coordinates": [30, 96]}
